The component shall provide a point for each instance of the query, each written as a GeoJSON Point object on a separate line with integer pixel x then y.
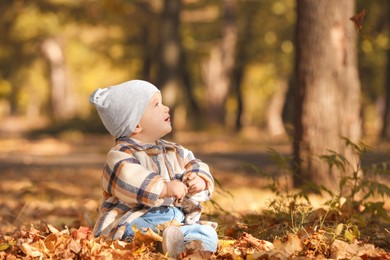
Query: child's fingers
{"type": "Point", "coordinates": [196, 187]}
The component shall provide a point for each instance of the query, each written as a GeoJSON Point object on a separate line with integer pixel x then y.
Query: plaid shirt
{"type": "Point", "coordinates": [133, 178]}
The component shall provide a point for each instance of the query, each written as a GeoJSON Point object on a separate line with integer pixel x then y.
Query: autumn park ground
{"type": "Point", "coordinates": [55, 179]}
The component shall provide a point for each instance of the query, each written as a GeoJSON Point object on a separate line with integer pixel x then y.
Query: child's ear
{"type": "Point", "coordinates": [137, 129]}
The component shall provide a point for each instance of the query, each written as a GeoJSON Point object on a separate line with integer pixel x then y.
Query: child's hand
{"type": "Point", "coordinates": [195, 183]}
{"type": "Point", "coordinates": [175, 189]}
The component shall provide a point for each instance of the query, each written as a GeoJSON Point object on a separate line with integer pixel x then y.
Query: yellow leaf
{"type": "Point", "coordinates": [339, 229]}
{"type": "Point", "coordinates": [349, 235]}
{"type": "Point", "coordinates": [225, 242]}
{"type": "Point", "coordinates": [95, 248]}
{"type": "Point", "coordinates": [52, 229]}
{"type": "Point", "coordinates": [146, 237]}
{"type": "Point", "coordinates": [140, 251]}
{"type": "Point", "coordinates": [5, 246]}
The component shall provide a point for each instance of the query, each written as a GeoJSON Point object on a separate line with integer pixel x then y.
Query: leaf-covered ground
{"type": "Point", "coordinates": [50, 193]}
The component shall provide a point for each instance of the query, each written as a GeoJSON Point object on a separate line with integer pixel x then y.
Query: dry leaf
{"type": "Point", "coordinates": [82, 233]}
{"type": "Point", "coordinates": [344, 250]}
{"type": "Point", "coordinates": [147, 237]}
{"type": "Point", "coordinates": [193, 246]}
{"type": "Point", "coordinates": [74, 246]}
{"type": "Point", "coordinates": [52, 229]}
{"type": "Point", "coordinates": [357, 19]}
{"type": "Point", "coordinates": [30, 250]}
{"type": "Point", "coordinates": [292, 245]}
{"type": "Point", "coordinates": [51, 242]}
{"type": "Point", "coordinates": [258, 244]}
{"type": "Point", "coordinates": [6, 245]}
{"type": "Point", "coordinates": [196, 256]}
{"type": "Point", "coordinates": [225, 243]}
{"type": "Point", "coordinates": [163, 226]}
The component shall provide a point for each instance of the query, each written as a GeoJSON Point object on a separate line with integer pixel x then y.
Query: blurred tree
{"type": "Point", "coordinates": [14, 56]}
{"type": "Point", "coordinates": [170, 50]}
{"type": "Point", "coordinates": [274, 115]}
{"type": "Point", "coordinates": [27, 25]}
{"type": "Point", "coordinates": [385, 133]}
{"type": "Point", "coordinates": [173, 76]}
{"type": "Point", "coordinates": [374, 41]}
{"type": "Point", "coordinates": [265, 32]}
{"type": "Point", "coordinates": [327, 90]}
{"type": "Point", "coordinates": [61, 100]}
{"type": "Point", "coordinates": [218, 69]}
{"type": "Point", "coordinates": [126, 44]}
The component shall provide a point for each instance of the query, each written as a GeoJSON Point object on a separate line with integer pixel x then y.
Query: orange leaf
{"type": "Point", "coordinates": [82, 233]}
{"type": "Point", "coordinates": [147, 237]}
{"type": "Point", "coordinates": [357, 19]}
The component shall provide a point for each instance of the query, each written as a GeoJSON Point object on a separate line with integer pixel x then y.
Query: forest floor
{"type": "Point", "coordinates": [55, 179]}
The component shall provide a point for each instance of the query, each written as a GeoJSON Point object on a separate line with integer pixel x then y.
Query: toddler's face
{"type": "Point", "coordinates": [156, 121]}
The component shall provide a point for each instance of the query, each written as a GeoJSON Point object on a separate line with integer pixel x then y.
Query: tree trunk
{"type": "Point", "coordinates": [327, 94]}
{"type": "Point", "coordinates": [385, 134]}
{"type": "Point", "coordinates": [61, 103]}
{"type": "Point", "coordinates": [219, 68]}
{"type": "Point", "coordinates": [173, 76]}
{"type": "Point", "coordinates": [170, 51]}
{"type": "Point", "coordinates": [385, 109]}
{"type": "Point", "coordinates": [192, 105]}
{"type": "Point", "coordinates": [147, 54]}
{"type": "Point", "coordinates": [238, 74]}
{"type": "Point", "coordinates": [275, 125]}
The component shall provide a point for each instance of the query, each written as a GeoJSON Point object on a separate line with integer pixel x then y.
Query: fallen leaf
{"type": "Point", "coordinates": [225, 243]}
{"type": "Point", "coordinates": [52, 229]}
{"type": "Point", "coordinates": [51, 242]}
{"type": "Point", "coordinates": [74, 246]}
{"type": "Point", "coordinates": [193, 246]}
{"type": "Point", "coordinates": [163, 226]}
{"type": "Point", "coordinates": [30, 250]}
{"type": "Point", "coordinates": [292, 245]}
{"type": "Point", "coordinates": [82, 233]}
{"type": "Point", "coordinates": [257, 243]}
{"type": "Point", "coordinates": [147, 237]}
{"type": "Point", "coordinates": [5, 246]}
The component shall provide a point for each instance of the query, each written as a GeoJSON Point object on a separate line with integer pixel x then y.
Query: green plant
{"type": "Point", "coordinates": [353, 204]}
{"type": "Point", "coordinates": [291, 209]}
{"type": "Point", "coordinates": [358, 186]}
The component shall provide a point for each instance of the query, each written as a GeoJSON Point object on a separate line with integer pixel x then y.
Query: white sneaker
{"type": "Point", "coordinates": [173, 241]}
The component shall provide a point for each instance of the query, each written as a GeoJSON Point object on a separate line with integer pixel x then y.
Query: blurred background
{"type": "Point", "coordinates": [54, 53]}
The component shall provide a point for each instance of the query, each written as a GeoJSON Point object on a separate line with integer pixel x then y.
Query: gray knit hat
{"type": "Point", "coordinates": [121, 107]}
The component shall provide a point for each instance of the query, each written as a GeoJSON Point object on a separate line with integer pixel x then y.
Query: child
{"type": "Point", "coordinates": [144, 176]}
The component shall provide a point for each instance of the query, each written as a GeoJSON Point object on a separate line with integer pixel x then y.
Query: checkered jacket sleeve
{"type": "Point", "coordinates": [193, 164]}
{"type": "Point", "coordinates": [126, 179]}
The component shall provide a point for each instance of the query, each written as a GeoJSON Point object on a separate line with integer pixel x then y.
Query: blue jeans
{"type": "Point", "coordinates": [159, 215]}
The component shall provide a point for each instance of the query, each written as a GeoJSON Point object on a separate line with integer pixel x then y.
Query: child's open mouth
{"type": "Point", "coordinates": [168, 119]}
